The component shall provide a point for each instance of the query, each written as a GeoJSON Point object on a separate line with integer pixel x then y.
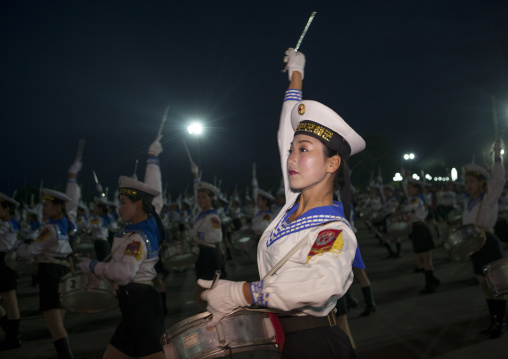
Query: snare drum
{"type": "Point", "coordinates": [83, 244]}
{"type": "Point", "coordinates": [496, 274]}
{"type": "Point", "coordinates": [87, 293]}
{"type": "Point", "coordinates": [465, 241]}
{"type": "Point", "coordinates": [397, 225]}
{"type": "Point", "coordinates": [245, 239]}
{"type": "Point", "coordinates": [178, 255]}
{"type": "Point", "coordinates": [243, 334]}
{"type": "Point", "coordinates": [20, 264]}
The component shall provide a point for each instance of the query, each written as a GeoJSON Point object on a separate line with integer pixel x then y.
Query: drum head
{"type": "Point", "coordinates": [89, 301]}
{"type": "Point", "coordinates": [465, 241]}
{"type": "Point", "coordinates": [496, 274]}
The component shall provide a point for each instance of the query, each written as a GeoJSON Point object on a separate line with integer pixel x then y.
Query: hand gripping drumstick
{"type": "Point", "coordinates": [216, 277]}
{"type": "Point", "coordinates": [164, 118]}
{"type": "Point", "coordinates": [302, 35]}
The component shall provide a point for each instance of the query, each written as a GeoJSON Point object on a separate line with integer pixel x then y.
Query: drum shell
{"type": "Point", "coordinates": [83, 244]}
{"type": "Point", "coordinates": [178, 255]}
{"type": "Point", "coordinates": [398, 225]}
{"type": "Point", "coordinates": [250, 333]}
{"type": "Point", "coordinates": [87, 293]}
{"type": "Point", "coordinates": [465, 241]}
{"type": "Point", "coordinates": [20, 264]}
{"type": "Point", "coordinates": [496, 274]}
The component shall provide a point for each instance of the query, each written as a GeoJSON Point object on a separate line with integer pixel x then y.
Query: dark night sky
{"type": "Point", "coordinates": [422, 73]}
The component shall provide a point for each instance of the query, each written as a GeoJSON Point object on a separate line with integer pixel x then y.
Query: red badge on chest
{"type": "Point", "coordinates": [324, 241]}
{"type": "Point", "coordinates": [215, 222]}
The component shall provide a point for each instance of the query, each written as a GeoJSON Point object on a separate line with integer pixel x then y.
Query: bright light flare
{"type": "Point", "coordinates": [416, 177]}
{"type": "Point", "coordinates": [409, 156]}
{"type": "Point", "coordinates": [397, 177]}
{"type": "Point", "coordinates": [195, 128]}
{"type": "Point", "coordinates": [454, 174]}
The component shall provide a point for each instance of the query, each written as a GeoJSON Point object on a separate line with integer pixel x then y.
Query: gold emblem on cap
{"type": "Point", "coordinates": [301, 109]}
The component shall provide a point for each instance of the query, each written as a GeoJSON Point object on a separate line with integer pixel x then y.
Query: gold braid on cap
{"type": "Point", "coordinates": [128, 191]}
{"type": "Point", "coordinates": [474, 173]}
{"type": "Point", "coordinates": [48, 197]}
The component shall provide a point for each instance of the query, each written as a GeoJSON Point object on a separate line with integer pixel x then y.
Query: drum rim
{"type": "Point", "coordinates": [495, 263]}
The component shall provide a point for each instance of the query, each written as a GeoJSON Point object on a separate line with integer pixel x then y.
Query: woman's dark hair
{"type": "Point", "coordinates": [12, 208]}
{"type": "Point", "coordinates": [149, 208]}
{"type": "Point", "coordinates": [342, 180]}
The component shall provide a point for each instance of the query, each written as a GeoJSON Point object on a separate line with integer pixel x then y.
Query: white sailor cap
{"type": "Point", "coordinates": [102, 200]}
{"type": "Point", "coordinates": [5, 198]}
{"type": "Point", "coordinates": [475, 170]}
{"type": "Point", "coordinates": [265, 194]}
{"type": "Point", "coordinates": [52, 195]}
{"type": "Point", "coordinates": [131, 187]}
{"type": "Point", "coordinates": [208, 186]}
{"type": "Point", "coordinates": [82, 206]}
{"type": "Point", "coordinates": [317, 120]}
{"type": "Point", "coordinates": [223, 198]}
{"type": "Point", "coordinates": [32, 211]}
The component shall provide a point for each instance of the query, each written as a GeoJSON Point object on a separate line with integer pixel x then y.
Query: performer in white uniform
{"type": "Point", "coordinates": [9, 318]}
{"type": "Point", "coordinates": [319, 143]}
{"type": "Point", "coordinates": [51, 249]}
{"type": "Point", "coordinates": [481, 209]}
{"type": "Point", "coordinates": [135, 252]}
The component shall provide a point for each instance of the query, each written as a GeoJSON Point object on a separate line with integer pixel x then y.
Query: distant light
{"type": "Point", "coordinates": [447, 178]}
{"type": "Point", "coordinates": [406, 156]}
{"type": "Point", "coordinates": [416, 177]}
{"type": "Point", "coordinates": [195, 128]}
{"type": "Point", "coordinates": [435, 178]}
{"type": "Point", "coordinates": [411, 156]}
{"type": "Point", "coordinates": [397, 177]}
{"type": "Point", "coordinates": [429, 177]}
{"type": "Point", "coordinates": [454, 174]}
{"type": "Point", "coordinates": [502, 152]}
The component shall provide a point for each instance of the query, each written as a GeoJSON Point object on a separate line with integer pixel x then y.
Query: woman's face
{"type": "Point", "coordinates": [204, 200]}
{"type": "Point", "coordinates": [474, 186]}
{"type": "Point", "coordinates": [412, 190]}
{"type": "Point", "coordinates": [261, 202]}
{"type": "Point", "coordinates": [51, 209]}
{"type": "Point", "coordinates": [307, 164]}
{"type": "Point", "coordinates": [128, 209]}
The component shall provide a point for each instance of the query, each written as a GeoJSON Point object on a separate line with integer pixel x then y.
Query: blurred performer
{"type": "Point", "coordinates": [423, 244]}
{"type": "Point", "coordinates": [9, 318]}
{"type": "Point", "coordinates": [314, 144]}
{"type": "Point", "coordinates": [481, 209]}
{"type": "Point", "coordinates": [135, 252]}
{"type": "Point", "coordinates": [264, 216]}
{"type": "Point", "coordinates": [206, 234]}
{"type": "Point", "coordinates": [51, 250]}
{"type": "Point", "coordinates": [99, 226]}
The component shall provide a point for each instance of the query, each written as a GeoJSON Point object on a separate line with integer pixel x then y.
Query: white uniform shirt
{"type": "Point", "coordinates": [309, 284]}
{"type": "Point", "coordinates": [8, 234]}
{"type": "Point", "coordinates": [261, 221]}
{"type": "Point", "coordinates": [99, 228]}
{"type": "Point", "coordinates": [488, 202]}
{"type": "Point", "coordinates": [206, 227]}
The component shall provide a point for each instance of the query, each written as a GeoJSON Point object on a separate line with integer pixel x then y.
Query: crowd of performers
{"type": "Point", "coordinates": [313, 214]}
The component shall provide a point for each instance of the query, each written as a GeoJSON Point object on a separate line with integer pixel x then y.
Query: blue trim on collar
{"type": "Point", "coordinates": [312, 218]}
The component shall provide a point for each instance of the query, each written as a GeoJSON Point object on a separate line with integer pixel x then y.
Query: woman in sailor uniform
{"type": "Point", "coordinates": [264, 216]}
{"type": "Point", "coordinates": [423, 244]}
{"type": "Point", "coordinates": [206, 234]}
{"type": "Point", "coordinates": [51, 249]}
{"type": "Point", "coordinates": [9, 318]}
{"type": "Point", "coordinates": [134, 254]}
{"type": "Point", "coordinates": [481, 209]}
{"type": "Point", "coordinates": [315, 144]}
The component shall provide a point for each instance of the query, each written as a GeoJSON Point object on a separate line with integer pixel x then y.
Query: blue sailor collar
{"type": "Point", "coordinates": [14, 224]}
{"type": "Point", "coordinates": [312, 218]}
{"type": "Point", "coordinates": [471, 203]}
{"type": "Point", "coordinates": [149, 231]}
{"type": "Point", "coordinates": [206, 213]}
{"type": "Point", "coordinates": [64, 227]}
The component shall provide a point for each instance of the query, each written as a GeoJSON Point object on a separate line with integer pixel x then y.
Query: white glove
{"type": "Point", "coordinates": [76, 167]}
{"type": "Point", "coordinates": [84, 264]}
{"type": "Point", "coordinates": [295, 61]}
{"type": "Point", "coordinates": [156, 147]}
{"type": "Point", "coordinates": [194, 169]}
{"type": "Point", "coordinates": [223, 299]}
{"type": "Point", "coordinates": [498, 146]}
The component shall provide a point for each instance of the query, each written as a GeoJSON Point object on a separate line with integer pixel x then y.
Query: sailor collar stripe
{"type": "Point", "coordinates": [285, 228]}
